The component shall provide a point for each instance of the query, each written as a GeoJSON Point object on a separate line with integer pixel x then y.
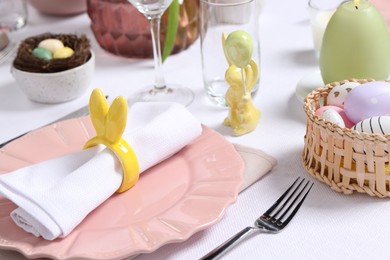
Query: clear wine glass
{"type": "Point", "coordinates": [160, 91]}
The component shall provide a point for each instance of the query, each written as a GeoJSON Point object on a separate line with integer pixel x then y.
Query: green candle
{"type": "Point", "coordinates": [356, 44]}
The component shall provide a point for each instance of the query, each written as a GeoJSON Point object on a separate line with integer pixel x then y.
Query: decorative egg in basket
{"type": "Point", "coordinates": [376, 124]}
{"type": "Point", "coordinates": [338, 94]}
{"type": "Point", "coordinates": [334, 114]}
{"type": "Point", "coordinates": [54, 68]}
{"type": "Point", "coordinates": [368, 100]}
{"type": "Point", "coordinates": [347, 160]}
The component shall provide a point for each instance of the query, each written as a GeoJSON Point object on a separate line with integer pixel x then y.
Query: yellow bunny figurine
{"type": "Point", "coordinates": [241, 76]}
{"type": "Point", "coordinates": [109, 124]}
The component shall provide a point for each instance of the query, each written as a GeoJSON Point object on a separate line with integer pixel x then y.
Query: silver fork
{"type": "Point", "coordinates": [7, 51]}
{"type": "Point", "coordinates": [273, 220]}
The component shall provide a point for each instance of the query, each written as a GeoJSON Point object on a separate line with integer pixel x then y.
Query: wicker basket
{"type": "Point", "coordinates": [344, 159]}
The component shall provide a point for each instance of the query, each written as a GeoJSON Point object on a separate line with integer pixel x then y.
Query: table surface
{"type": "Point", "coordinates": [329, 225]}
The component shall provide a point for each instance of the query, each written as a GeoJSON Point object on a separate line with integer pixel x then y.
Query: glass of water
{"type": "Point", "coordinates": [13, 14]}
{"type": "Point", "coordinates": [160, 91]}
{"type": "Point", "coordinates": [218, 17]}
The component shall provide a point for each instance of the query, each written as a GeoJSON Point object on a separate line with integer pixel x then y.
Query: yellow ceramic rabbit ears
{"type": "Point", "coordinates": [110, 123]}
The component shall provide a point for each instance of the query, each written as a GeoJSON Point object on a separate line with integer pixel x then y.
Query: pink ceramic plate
{"type": "Point", "coordinates": [173, 200]}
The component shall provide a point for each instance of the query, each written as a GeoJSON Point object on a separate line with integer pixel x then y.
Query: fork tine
{"type": "Point", "coordinates": [8, 51]}
{"type": "Point", "coordinates": [287, 201]}
{"type": "Point", "coordinates": [295, 210]}
{"type": "Point", "coordinates": [272, 208]}
{"type": "Point", "coordinates": [294, 201]}
{"type": "Point", "coordinates": [264, 223]}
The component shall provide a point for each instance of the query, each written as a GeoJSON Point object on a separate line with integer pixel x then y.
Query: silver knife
{"type": "Point", "coordinates": [83, 111]}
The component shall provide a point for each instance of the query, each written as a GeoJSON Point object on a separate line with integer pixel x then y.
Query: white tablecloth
{"type": "Point", "coordinates": [329, 225]}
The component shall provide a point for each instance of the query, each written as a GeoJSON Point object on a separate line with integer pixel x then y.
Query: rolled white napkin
{"type": "Point", "coordinates": [54, 196]}
{"type": "Point", "coordinates": [257, 165]}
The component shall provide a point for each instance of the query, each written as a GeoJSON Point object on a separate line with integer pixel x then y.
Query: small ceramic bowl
{"type": "Point", "coordinates": [56, 87]}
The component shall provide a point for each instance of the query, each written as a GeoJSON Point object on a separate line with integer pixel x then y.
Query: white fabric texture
{"type": "Point", "coordinates": [56, 195]}
{"type": "Point", "coordinates": [257, 164]}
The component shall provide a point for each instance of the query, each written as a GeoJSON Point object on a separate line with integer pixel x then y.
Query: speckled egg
{"type": "Point", "coordinates": [51, 44]}
{"type": "Point", "coordinates": [368, 100]}
{"type": "Point", "coordinates": [337, 95]}
{"type": "Point", "coordinates": [376, 124]}
{"type": "Point", "coordinates": [332, 117]}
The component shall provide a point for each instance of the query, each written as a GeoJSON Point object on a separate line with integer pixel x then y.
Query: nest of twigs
{"type": "Point", "coordinates": [27, 62]}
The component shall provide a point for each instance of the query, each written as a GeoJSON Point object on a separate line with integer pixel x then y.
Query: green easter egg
{"type": "Point", "coordinates": [63, 53]}
{"type": "Point", "coordinates": [42, 53]}
{"type": "Point", "coordinates": [356, 44]}
{"type": "Point", "coordinates": [239, 47]}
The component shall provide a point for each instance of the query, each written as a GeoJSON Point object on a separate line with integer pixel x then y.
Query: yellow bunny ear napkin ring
{"type": "Point", "coordinates": [110, 123]}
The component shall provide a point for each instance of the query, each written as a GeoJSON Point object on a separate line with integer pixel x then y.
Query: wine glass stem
{"type": "Point", "coordinates": [155, 22]}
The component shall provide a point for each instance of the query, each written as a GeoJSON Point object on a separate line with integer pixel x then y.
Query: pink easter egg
{"type": "Point", "coordinates": [368, 100]}
{"type": "Point", "coordinates": [334, 117]}
{"type": "Point", "coordinates": [348, 123]}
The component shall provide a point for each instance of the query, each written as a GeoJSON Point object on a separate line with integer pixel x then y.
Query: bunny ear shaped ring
{"type": "Point", "coordinates": [110, 123]}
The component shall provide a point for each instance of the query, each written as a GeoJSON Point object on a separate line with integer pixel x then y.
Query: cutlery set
{"type": "Point", "coordinates": [7, 48]}
{"type": "Point", "coordinates": [83, 111]}
{"type": "Point", "coordinates": [273, 220]}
